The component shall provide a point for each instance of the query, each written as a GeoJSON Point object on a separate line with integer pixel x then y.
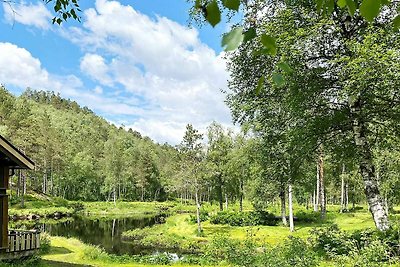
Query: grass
{"type": "Point", "coordinates": [121, 208]}
{"type": "Point", "coordinates": [178, 232]}
{"type": "Point", "coordinates": [182, 231]}
{"type": "Point", "coordinates": [72, 251]}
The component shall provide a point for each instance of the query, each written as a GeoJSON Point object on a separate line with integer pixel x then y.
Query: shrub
{"type": "Point", "coordinates": [251, 218]}
{"type": "Point", "coordinates": [31, 261]}
{"type": "Point", "coordinates": [203, 217]}
{"type": "Point", "coordinates": [45, 243]}
{"type": "Point", "coordinates": [293, 252]}
{"type": "Point", "coordinates": [77, 206]}
{"type": "Point", "coordinates": [331, 241]}
{"type": "Point", "coordinates": [359, 248]}
{"type": "Point", "coordinates": [95, 253]}
{"type": "Point", "coordinates": [308, 217]}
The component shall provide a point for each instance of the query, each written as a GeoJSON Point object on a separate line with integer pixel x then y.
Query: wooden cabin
{"type": "Point", "coordinates": [13, 243]}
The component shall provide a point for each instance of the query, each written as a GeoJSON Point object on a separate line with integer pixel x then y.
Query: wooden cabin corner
{"type": "Point", "coordinates": [14, 244]}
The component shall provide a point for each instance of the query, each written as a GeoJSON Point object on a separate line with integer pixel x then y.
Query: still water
{"type": "Point", "coordinates": [103, 232]}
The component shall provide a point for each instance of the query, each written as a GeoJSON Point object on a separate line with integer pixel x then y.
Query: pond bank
{"type": "Point", "coordinates": [73, 251]}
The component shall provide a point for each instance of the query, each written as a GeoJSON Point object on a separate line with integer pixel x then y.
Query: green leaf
{"type": "Point", "coordinates": [260, 84]}
{"type": "Point", "coordinates": [285, 67]}
{"type": "Point", "coordinates": [269, 43]}
{"type": "Point", "coordinates": [263, 51]}
{"type": "Point", "coordinates": [396, 22]}
{"type": "Point", "coordinates": [369, 9]}
{"type": "Point", "coordinates": [213, 13]}
{"type": "Point", "coordinates": [249, 35]}
{"type": "Point", "coordinates": [330, 6]}
{"type": "Point", "coordinates": [278, 79]}
{"type": "Point", "coordinates": [320, 4]}
{"type": "Point", "coordinates": [341, 3]}
{"type": "Point", "coordinates": [351, 5]}
{"type": "Point", "coordinates": [232, 4]}
{"type": "Point", "coordinates": [232, 40]}
{"type": "Point", "coordinates": [198, 4]}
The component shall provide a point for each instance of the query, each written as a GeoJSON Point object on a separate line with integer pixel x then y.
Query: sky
{"type": "Point", "coordinates": [136, 63]}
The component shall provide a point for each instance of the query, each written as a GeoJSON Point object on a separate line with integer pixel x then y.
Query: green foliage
{"type": "Point", "coordinates": [269, 44]}
{"type": "Point", "coordinates": [359, 248]}
{"type": "Point", "coordinates": [72, 146]}
{"type": "Point", "coordinates": [251, 218]}
{"type": "Point", "coordinates": [204, 216]}
{"type": "Point", "coordinates": [32, 261]}
{"type": "Point", "coordinates": [370, 9]}
{"type": "Point", "coordinates": [45, 243]}
{"type": "Point", "coordinates": [232, 4]}
{"type": "Point", "coordinates": [77, 206]}
{"type": "Point", "coordinates": [213, 14]}
{"type": "Point", "coordinates": [293, 252]}
{"type": "Point", "coordinates": [308, 217]}
{"type": "Point", "coordinates": [232, 39]}
{"type": "Point", "coordinates": [332, 241]}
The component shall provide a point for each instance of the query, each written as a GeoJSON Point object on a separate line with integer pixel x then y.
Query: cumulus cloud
{"type": "Point", "coordinates": [36, 15]}
{"type": "Point", "coordinates": [20, 69]}
{"type": "Point", "coordinates": [95, 66]}
{"type": "Point", "coordinates": [176, 77]}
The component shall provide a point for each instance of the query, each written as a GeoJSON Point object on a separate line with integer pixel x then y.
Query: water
{"type": "Point", "coordinates": [103, 232]}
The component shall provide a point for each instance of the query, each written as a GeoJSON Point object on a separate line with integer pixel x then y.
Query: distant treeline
{"type": "Point", "coordinates": [81, 156]}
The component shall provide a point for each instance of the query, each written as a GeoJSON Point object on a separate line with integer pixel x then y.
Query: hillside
{"type": "Point", "coordinates": [79, 155]}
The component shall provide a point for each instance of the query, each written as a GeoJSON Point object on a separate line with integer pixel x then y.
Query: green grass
{"type": "Point", "coordinates": [72, 251]}
{"type": "Point", "coordinates": [126, 209]}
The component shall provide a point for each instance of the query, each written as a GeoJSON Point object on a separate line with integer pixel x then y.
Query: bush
{"type": "Point", "coordinates": [331, 241]}
{"type": "Point", "coordinates": [31, 261]}
{"type": "Point", "coordinates": [308, 217]}
{"type": "Point", "coordinates": [95, 253]}
{"type": "Point", "coordinates": [359, 248]}
{"type": "Point", "coordinates": [252, 218]}
{"type": "Point", "coordinates": [77, 206]}
{"type": "Point", "coordinates": [45, 243]}
{"type": "Point", "coordinates": [203, 217]}
{"type": "Point", "coordinates": [293, 252]}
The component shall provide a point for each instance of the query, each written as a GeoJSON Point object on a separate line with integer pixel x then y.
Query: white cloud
{"type": "Point", "coordinates": [19, 68]}
{"type": "Point", "coordinates": [158, 60]}
{"type": "Point", "coordinates": [95, 66]}
{"type": "Point", "coordinates": [36, 15]}
{"type": "Point", "coordinates": [98, 90]}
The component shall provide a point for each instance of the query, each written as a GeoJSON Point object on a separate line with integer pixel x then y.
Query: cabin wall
{"type": "Point", "coordinates": [4, 176]}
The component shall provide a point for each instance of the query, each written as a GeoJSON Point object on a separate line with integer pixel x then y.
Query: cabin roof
{"type": "Point", "coordinates": [12, 157]}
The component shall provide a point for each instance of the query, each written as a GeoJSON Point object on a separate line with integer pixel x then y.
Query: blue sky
{"type": "Point", "coordinates": [135, 62]}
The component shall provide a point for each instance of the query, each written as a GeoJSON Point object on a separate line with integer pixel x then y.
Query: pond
{"type": "Point", "coordinates": [104, 232]}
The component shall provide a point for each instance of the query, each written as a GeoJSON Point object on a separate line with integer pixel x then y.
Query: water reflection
{"type": "Point", "coordinates": [102, 231]}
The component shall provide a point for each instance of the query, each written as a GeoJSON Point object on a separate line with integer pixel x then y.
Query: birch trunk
{"type": "Point", "coordinates": [199, 230]}
{"type": "Point", "coordinates": [367, 168]}
{"type": "Point", "coordinates": [283, 206]}
{"type": "Point", "coordinates": [291, 223]}
{"type": "Point", "coordinates": [317, 196]}
{"type": "Point", "coordinates": [220, 196]}
{"type": "Point", "coordinates": [342, 195]}
{"type": "Point", "coordinates": [241, 195]}
{"type": "Point", "coordinates": [346, 203]}
{"type": "Point", "coordinates": [322, 184]}
{"type": "Point", "coordinates": [114, 196]}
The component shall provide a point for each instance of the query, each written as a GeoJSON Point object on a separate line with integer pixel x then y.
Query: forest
{"type": "Point", "coordinates": [311, 178]}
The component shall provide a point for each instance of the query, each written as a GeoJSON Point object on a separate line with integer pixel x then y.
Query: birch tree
{"type": "Point", "coordinates": [337, 80]}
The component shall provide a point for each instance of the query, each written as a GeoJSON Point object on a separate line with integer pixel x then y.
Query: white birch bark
{"type": "Point", "coordinates": [291, 222]}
